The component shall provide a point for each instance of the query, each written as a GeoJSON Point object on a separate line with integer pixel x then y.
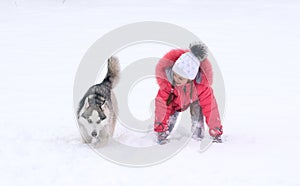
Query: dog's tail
{"type": "Point", "coordinates": [113, 71]}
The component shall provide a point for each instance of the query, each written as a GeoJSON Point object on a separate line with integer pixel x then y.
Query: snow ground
{"type": "Point", "coordinates": [254, 42]}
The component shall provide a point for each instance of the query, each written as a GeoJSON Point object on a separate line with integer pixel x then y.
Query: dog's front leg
{"type": "Point", "coordinates": [85, 137]}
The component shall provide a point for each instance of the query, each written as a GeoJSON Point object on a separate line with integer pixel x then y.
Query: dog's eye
{"type": "Point", "coordinates": [98, 122]}
{"type": "Point", "coordinates": [83, 115]}
{"type": "Point", "coordinates": [89, 120]}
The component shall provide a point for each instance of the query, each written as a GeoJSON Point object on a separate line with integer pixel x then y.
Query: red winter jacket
{"type": "Point", "coordinates": [200, 90]}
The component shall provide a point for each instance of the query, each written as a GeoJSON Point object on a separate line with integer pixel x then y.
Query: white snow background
{"type": "Point", "coordinates": [256, 45]}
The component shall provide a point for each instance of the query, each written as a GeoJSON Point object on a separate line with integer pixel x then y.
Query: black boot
{"type": "Point", "coordinates": [217, 139]}
{"type": "Point", "coordinates": [162, 138]}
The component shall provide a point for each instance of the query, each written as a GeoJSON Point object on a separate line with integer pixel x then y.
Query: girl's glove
{"type": "Point", "coordinates": [216, 132]}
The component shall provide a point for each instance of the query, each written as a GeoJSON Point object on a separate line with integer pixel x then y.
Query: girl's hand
{"type": "Point", "coordinates": [216, 132]}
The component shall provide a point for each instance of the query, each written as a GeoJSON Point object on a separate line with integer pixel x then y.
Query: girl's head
{"type": "Point", "coordinates": [185, 68]}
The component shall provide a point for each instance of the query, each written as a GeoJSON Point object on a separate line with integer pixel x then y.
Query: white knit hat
{"type": "Point", "coordinates": [187, 66]}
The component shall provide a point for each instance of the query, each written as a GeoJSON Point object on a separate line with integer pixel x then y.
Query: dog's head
{"type": "Point", "coordinates": [95, 113]}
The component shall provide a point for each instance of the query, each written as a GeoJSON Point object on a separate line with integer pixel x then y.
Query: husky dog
{"type": "Point", "coordinates": [97, 111]}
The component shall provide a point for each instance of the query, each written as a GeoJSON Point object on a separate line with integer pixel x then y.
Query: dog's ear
{"type": "Point", "coordinates": [106, 109]}
{"type": "Point", "coordinates": [104, 105]}
{"type": "Point", "coordinates": [91, 99]}
{"type": "Point", "coordinates": [100, 100]}
{"type": "Point", "coordinates": [102, 116]}
{"type": "Point", "coordinates": [86, 103]}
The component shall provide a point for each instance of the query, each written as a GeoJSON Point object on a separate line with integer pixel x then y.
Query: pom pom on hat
{"type": "Point", "coordinates": [187, 65]}
{"type": "Point", "coordinates": [199, 50]}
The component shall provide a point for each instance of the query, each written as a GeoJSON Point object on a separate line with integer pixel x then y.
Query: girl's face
{"type": "Point", "coordinates": [179, 80]}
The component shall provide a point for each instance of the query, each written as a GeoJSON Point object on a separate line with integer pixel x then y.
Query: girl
{"type": "Point", "coordinates": [185, 78]}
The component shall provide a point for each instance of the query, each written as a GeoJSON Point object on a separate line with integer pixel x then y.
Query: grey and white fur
{"type": "Point", "coordinates": [97, 110]}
